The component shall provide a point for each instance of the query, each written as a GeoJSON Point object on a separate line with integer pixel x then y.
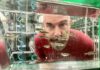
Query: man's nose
{"type": "Point", "coordinates": [57, 31]}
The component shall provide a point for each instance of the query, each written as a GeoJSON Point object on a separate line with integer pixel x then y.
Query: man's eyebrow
{"type": "Point", "coordinates": [63, 21]}
{"type": "Point", "coordinates": [48, 23]}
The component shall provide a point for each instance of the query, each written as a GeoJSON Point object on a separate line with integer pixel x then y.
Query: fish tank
{"type": "Point", "coordinates": [49, 35]}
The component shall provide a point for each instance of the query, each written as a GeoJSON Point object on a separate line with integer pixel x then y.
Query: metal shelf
{"type": "Point", "coordinates": [67, 3]}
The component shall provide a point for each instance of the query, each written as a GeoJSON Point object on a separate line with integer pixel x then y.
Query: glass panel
{"type": "Point", "coordinates": [46, 35]}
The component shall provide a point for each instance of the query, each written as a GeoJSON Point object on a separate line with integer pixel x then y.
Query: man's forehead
{"type": "Point", "coordinates": [55, 18]}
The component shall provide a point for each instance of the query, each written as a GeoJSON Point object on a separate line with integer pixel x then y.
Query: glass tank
{"type": "Point", "coordinates": [49, 34]}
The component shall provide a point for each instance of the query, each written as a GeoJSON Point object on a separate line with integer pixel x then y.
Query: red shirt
{"type": "Point", "coordinates": [77, 45]}
{"type": "Point", "coordinates": [4, 60]}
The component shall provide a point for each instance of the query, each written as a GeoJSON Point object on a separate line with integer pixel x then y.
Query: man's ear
{"type": "Point", "coordinates": [70, 22]}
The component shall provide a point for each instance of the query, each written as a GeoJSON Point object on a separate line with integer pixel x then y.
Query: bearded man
{"type": "Point", "coordinates": [58, 42]}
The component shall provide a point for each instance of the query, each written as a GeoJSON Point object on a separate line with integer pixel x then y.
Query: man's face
{"type": "Point", "coordinates": [57, 28]}
{"type": "Point", "coordinates": [56, 25]}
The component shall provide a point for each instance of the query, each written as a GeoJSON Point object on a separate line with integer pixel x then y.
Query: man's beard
{"type": "Point", "coordinates": [59, 43]}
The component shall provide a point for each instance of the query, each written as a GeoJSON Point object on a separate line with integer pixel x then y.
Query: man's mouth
{"type": "Point", "coordinates": [58, 43]}
{"type": "Point", "coordinates": [58, 46]}
{"type": "Point", "coordinates": [58, 40]}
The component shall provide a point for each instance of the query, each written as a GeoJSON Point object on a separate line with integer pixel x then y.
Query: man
{"type": "Point", "coordinates": [58, 42]}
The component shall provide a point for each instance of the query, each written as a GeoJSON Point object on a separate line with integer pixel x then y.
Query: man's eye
{"type": "Point", "coordinates": [62, 24]}
{"type": "Point", "coordinates": [50, 25]}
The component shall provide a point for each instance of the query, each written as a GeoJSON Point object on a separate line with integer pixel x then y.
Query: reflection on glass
{"type": "Point", "coordinates": [63, 33]}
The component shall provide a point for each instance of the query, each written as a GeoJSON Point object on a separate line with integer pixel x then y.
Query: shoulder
{"type": "Point", "coordinates": [40, 40]}
{"type": "Point", "coordinates": [2, 44]}
{"type": "Point", "coordinates": [77, 35]}
{"type": "Point", "coordinates": [82, 39]}
{"type": "Point", "coordinates": [38, 37]}
{"type": "Point", "coordinates": [80, 35]}
{"type": "Point", "coordinates": [4, 60]}
{"type": "Point", "coordinates": [76, 32]}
